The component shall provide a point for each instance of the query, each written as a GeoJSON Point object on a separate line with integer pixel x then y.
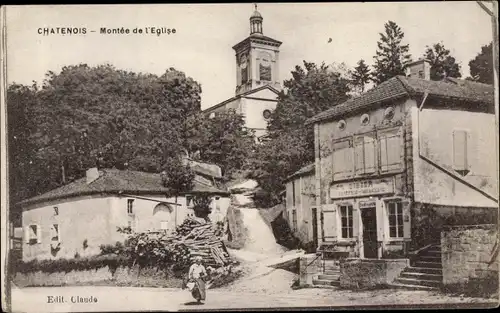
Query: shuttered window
{"type": "Point", "coordinates": [364, 148]}
{"type": "Point", "coordinates": [390, 151]}
{"type": "Point", "coordinates": [342, 159]}
{"type": "Point", "coordinates": [346, 221]}
{"type": "Point", "coordinates": [395, 219]}
{"type": "Point", "coordinates": [460, 152]}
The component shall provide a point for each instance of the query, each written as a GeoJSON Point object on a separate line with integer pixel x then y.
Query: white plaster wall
{"type": "Point", "coordinates": [432, 135]}
{"type": "Point", "coordinates": [79, 219]}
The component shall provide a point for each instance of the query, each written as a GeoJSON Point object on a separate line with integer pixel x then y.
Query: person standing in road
{"type": "Point", "coordinates": [197, 275]}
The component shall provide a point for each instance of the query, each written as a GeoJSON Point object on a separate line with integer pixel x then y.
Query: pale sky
{"type": "Point", "coordinates": [202, 45]}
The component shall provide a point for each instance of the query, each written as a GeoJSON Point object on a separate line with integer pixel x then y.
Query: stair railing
{"type": "Point", "coordinates": [317, 256]}
{"type": "Point", "coordinates": [413, 254]}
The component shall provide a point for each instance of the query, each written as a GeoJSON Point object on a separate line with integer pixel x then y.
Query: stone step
{"type": "Point", "coordinates": [324, 286]}
{"type": "Point", "coordinates": [431, 253]}
{"type": "Point", "coordinates": [428, 264]}
{"type": "Point", "coordinates": [428, 270]}
{"type": "Point", "coordinates": [325, 282]}
{"type": "Point", "coordinates": [429, 258]}
{"type": "Point", "coordinates": [425, 276]}
{"type": "Point", "coordinates": [412, 287]}
{"type": "Point", "coordinates": [418, 282]}
{"type": "Point", "coordinates": [328, 277]}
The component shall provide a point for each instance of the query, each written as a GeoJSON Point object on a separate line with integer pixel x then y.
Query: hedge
{"type": "Point", "coordinates": [68, 265]}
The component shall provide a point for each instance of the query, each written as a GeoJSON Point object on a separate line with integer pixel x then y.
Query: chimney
{"type": "Point", "coordinates": [420, 69]}
{"type": "Point", "coordinates": [92, 174]}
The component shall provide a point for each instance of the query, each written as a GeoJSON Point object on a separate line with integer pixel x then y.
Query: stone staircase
{"type": "Point", "coordinates": [425, 271]}
{"type": "Point", "coordinates": [330, 275]}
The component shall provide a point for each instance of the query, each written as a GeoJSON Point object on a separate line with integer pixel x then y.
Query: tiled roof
{"type": "Point", "coordinates": [112, 181]}
{"type": "Point", "coordinates": [401, 86]}
{"type": "Point", "coordinates": [305, 170]}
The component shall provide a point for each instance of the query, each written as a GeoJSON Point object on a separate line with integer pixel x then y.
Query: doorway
{"type": "Point", "coordinates": [369, 220]}
{"type": "Point", "coordinates": [314, 216]}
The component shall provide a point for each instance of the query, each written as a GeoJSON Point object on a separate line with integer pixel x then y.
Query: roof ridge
{"type": "Point", "coordinates": [405, 84]}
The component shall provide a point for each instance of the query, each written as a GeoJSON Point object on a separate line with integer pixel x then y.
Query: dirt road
{"type": "Point", "coordinates": [135, 299]}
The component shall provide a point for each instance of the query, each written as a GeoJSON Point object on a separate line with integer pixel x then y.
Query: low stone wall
{"type": "Point", "coordinates": [469, 259]}
{"type": "Point", "coordinates": [368, 273]}
{"type": "Point", "coordinates": [309, 265]}
{"type": "Point", "coordinates": [150, 277]}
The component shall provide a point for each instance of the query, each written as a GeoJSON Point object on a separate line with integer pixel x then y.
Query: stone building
{"type": "Point", "coordinates": [75, 219]}
{"type": "Point", "coordinates": [300, 204]}
{"type": "Point", "coordinates": [257, 79]}
{"type": "Point", "coordinates": [396, 163]}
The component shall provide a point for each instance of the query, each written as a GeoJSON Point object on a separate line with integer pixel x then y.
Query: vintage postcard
{"type": "Point", "coordinates": [284, 156]}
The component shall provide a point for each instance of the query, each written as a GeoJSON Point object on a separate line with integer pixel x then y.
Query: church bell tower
{"type": "Point", "coordinates": [257, 58]}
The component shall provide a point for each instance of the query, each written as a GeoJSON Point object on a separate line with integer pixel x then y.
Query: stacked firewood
{"type": "Point", "coordinates": [201, 241]}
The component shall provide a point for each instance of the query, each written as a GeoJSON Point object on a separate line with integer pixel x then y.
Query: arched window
{"type": "Point", "coordinates": [163, 217]}
{"type": "Point", "coordinates": [265, 67]}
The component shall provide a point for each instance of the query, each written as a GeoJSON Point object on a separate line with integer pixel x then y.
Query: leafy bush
{"type": "Point", "coordinates": [68, 265]}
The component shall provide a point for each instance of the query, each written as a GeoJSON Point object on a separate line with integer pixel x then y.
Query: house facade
{"type": "Point", "coordinates": [257, 79]}
{"type": "Point", "coordinates": [300, 205]}
{"type": "Point", "coordinates": [76, 219]}
{"type": "Point", "coordinates": [401, 156]}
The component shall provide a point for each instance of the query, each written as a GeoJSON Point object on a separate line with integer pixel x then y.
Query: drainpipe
{"type": "Point", "coordinates": [420, 107]}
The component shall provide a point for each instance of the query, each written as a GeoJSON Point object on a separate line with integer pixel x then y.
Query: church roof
{"type": "Point", "coordinates": [256, 14]}
{"type": "Point", "coordinates": [244, 94]}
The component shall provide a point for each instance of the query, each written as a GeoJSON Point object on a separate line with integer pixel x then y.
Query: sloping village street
{"type": "Point", "coordinates": [132, 299]}
{"type": "Point", "coordinates": [278, 157]}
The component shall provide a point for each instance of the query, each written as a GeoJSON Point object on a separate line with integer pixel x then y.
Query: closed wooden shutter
{"type": "Point", "coordinates": [27, 231]}
{"type": "Point", "coordinates": [365, 154]}
{"type": "Point", "coordinates": [355, 222]}
{"type": "Point", "coordinates": [359, 156]}
{"type": "Point", "coordinates": [329, 223]}
{"type": "Point", "coordinates": [39, 233]}
{"type": "Point", "coordinates": [370, 154]}
{"type": "Point", "coordinates": [390, 152]}
{"type": "Point", "coordinates": [380, 222]}
{"type": "Point", "coordinates": [342, 159]}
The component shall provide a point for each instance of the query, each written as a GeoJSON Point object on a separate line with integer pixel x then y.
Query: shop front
{"type": "Point", "coordinates": [367, 218]}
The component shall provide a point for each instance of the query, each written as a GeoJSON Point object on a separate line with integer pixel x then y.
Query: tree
{"type": "Point", "coordinates": [223, 140]}
{"type": "Point", "coordinates": [442, 63]}
{"type": "Point", "coordinates": [481, 67]}
{"type": "Point", "coordinates": [360, 77]}
{"type": "Point", "coordinates": [392, 56]}
{"type": "Point", "coordinates": [85, 115]}
{"type": "Point", "coordinates": [311, 89]}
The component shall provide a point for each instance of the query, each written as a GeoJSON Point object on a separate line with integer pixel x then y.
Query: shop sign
{"type": "Point", "coordinates": [362, 188]}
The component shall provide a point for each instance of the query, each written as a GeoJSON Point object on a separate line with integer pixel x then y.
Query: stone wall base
{"type": "Point", "coordinates": [370, 273]}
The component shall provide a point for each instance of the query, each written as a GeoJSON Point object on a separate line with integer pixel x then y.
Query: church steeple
{"type": "Point", "coordinates": [256, 22]}
{"type": "Point", "coordinates": [257, 59]}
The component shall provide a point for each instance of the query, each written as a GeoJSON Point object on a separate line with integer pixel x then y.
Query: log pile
{"type": "Point", "coordinates": [201, 241]}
